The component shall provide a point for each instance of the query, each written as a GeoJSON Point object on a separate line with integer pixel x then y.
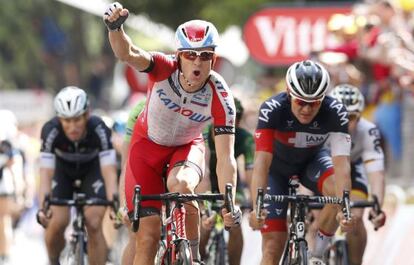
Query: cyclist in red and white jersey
{"type": "Point", "coordinates": [367, 166]}
{"type": "Point", "coordinates": [184, 93]}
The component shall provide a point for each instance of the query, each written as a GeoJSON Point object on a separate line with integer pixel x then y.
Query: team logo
{"type": "Point", "coordinates": [289, 124]}
{"type": "Point", "coordinates": [315, 125]}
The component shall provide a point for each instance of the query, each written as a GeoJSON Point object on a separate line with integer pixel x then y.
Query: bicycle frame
{"type": "Point", "coordinates": [295, 251]}
{"type": "Point", "coordinates": [173, 235]}
{"type": "Point", "coordinates": [78, 239]}
{"type": "Point", "coordinates": [216, 246]}
{"type": "Point", "coordinates": [296, 247]}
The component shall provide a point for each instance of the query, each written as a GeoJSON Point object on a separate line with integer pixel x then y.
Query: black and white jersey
{"type": "Point", "coordinates": [95, 145]}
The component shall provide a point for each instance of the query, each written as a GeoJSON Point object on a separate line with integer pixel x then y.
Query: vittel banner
{"type": "Point", "coordinates": [283, 35]}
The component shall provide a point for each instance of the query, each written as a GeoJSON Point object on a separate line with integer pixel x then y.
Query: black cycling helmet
{"type": "Point", "coordinates": [239, 109]}
{"type": "Point", "coordinates": [307, 80]}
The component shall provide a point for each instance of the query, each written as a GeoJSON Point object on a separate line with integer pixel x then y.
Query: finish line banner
{"type": "Point", "coordinates": [283, 35]}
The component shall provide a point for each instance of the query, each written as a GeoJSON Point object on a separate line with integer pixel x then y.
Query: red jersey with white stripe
{"type": "Point", "coordinates": [174, 117]}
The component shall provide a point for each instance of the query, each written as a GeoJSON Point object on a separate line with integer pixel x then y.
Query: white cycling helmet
{"type": "Point", "coordinates": [71, 102]}
{"type": "Point", "coordinates": [307, 80]}
{"type": "Point", "coordinates": [196, 34]}
{"type": "Point", "coordinates": [350, 96]}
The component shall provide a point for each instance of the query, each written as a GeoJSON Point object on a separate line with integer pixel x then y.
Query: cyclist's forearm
{"type": "Point", "coordinates": [342, 175]}
{"type": "Point", "coordinates": [125, 50]}
{"type": "Point", "coordinates": [377, 184]}
{"type": "Point", "coordinates": [110, 179]}
{"type": "Point", "coordinates": [226, 171]}
{"type": "Point", "coordinates": [260, 173]}
{"type": "Point", "coordinates": [45, 187]}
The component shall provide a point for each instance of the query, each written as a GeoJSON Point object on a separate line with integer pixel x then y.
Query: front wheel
{"type": "Point", "coordinates": [183, 253]}
{"type": "Point", "coordinates": [341, 253]}
{"type": "Point", "coordinates": [302, 253]}
{"type": "Point", "coordinates": [80, 250]}
{"type": "Point", "coordinates": [161, 255]}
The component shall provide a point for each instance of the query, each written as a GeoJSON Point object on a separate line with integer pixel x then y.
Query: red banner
{"type": "Point", "coordinates": [283, 35]}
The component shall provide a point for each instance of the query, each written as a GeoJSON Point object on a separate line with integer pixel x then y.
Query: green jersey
{"type": "Point", "coordinates": [132, 118]}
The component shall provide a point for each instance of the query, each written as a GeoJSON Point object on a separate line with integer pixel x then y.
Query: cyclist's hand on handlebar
{"type": "Point", "coordinates": [232, 219]}
{"type": "Point", "coordinates": [377, 219]}
{"type": "Point", "coordinates": [115, 12]}
{"type": "Point", "coordinates": [346, 225]}
{"type": "Point", "coordinates": [43, 217]}
{"type": "Point", "coordinates": [122, 215]}
{"type": "Point", "coordinates": [257, 224]}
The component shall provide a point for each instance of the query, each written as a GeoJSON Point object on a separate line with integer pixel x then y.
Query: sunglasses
{"type": "Point", "coordinates": [192, 55]}
{"type": "Point", "coordinates": [303, 103]}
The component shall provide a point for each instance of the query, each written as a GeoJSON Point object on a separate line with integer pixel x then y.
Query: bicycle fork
{"type": "Point", "coordinates": [176, 231]}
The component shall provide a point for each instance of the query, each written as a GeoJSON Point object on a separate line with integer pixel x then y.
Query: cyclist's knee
{"type": "Point", "coordinates": [273, 243]}
{"type": "Point", "coordinates": [180, 185]}
{"type": "Point", "coordinates": [147, 237]}
{"type": "Point", "coordinates": [57, 224]}
{"type": "Point", "coordinates": [328, 186]}
{"type": "Point", "coordinates": [149, 228]}
{"type": "Point", "coordinates": [191, 208]}
{"type": "Point", "coordinates": [94, 224]}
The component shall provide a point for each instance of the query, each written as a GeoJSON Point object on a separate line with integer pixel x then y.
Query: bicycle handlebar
{"type": "Point", "coordinates": [377, 208]}
{"type": "Point", "coordinates": [346, 208]}
{"type": "Point", "coordinates": [79, 200]}
{"type": "Point", "coordinates": [229, 201]}
{"type": "Point", "coordinates": [177, 197]}
{"type": "Point", "coordinates": [299, 198]}
{"type": "Point", "coordinates": [259, 202]}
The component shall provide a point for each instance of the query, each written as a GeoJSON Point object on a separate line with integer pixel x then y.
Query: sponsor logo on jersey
{"type": "Point", "coordinates": [341, 111]}
{"type": "Point", "coordinates": [270, 106]}
{"type": "Point", "coordinates": [50, 139]}
{"type": "Point", "coordinates": [194, 116]}
{"type": "Point", "coordinates": [303, 140]}
{"type": "Point", "coordinates": [100, 131]}
{"type": "Point", "coordinates": [315, 126]}
{"type": "Point", "coordinates": [290, 124]}
{"type": "Point", "coordinates": [202, 98]}
{"type": "Point", "coordinates": [97, 185]}
{"type": "Point", "coordinates": [224, 94]}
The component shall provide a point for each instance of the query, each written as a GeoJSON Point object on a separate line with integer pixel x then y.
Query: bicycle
{"type": "Point", "coordinates": [296, 248]}
{"type": "Point", "coordinates": [216, 247]}
{"type": "Point", "coordinates": [337, 252]}
{"type": "Point", "coordinates": [78, 238]}
{"type": "Point", "coordinates": [174, 247]}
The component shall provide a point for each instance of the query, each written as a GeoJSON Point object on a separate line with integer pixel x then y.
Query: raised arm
{"type": "Point", "coordinates": [121, 43]}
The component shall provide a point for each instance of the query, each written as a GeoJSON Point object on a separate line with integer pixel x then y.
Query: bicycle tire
{"type": "Point", "coordinates": [285, 260]}
{"type": "Point", "coordinates": [69, 257]}
{"type": "Point", "coordinates": [161, 253]}
{"type": "Point", "coordinates": [218, 251]}
{"type": "Point", "coordinates": [341, 253]}
{"type": "Point", "coordinates": [80, 250]}
{"type": "Point", "coordinates": [302, 253]}
{"type": "Point", "coordinates": [183, 253]}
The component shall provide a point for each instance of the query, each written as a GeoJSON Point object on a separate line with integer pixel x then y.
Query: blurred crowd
{"type": "Point", "coordinates": [372, 48]}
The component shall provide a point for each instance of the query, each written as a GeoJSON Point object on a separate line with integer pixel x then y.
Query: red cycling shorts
{"type": "Point", "coordinates": [146, 163]}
